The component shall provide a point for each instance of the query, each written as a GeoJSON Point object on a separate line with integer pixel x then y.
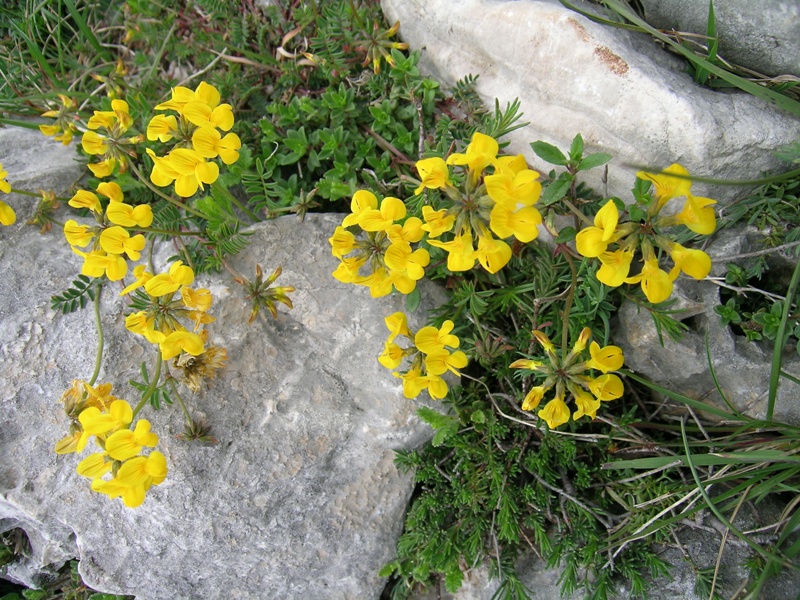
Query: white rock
{"type": "Point", "coordinates": [300, 499]}
{"type": "Point", "coordinates": [619, 90]}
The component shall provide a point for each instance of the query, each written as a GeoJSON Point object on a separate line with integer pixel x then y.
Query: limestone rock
{"type": "Point", "coordinates": [625, 95]}
{"type": "Point", "coordinates": [764, 36]}
{"type": "Point", "coordinates": [300, 498]}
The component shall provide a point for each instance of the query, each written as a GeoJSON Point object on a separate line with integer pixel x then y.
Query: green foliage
{"type": "Point", "coordinates": [76, 296]}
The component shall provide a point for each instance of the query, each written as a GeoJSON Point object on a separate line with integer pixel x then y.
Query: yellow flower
{"type": "Point", "coordinates": [694, 263]}
{"type": "Point", "coordinates": [437, 222]}
{"type": "Point", "coordinates": [413, 382]}
{"type": "Point", "coordinates": [398, 325]}
{"type": "Point", "coordinates": [392, 209]}
{"type": "Point", "coordinates": [168, 283]}
{"type": "Point", "coordinates": [615, 267]}
{"type": "Point", "coordinates": [95, 465]}
{"type": "Point", "coordinates": [461, 254]}
{"type": "Point", "coordinates": [591, 242]}
{"type": "Point", "coordinates": [125, 444]}
{"type": "Point", "coordinates": [480, 153]}
{"type": "Point", "coordinates": [209, 143]}
{"type": "Point", "coordinates": [606, 387]}
{"type": "Point", "coordinates": [93, 143]}
{"type": "Point", "coordinates": [181, 341]}
{"type": "Point", "coordinates": [5, 186]}
{"type": "Point", "coordinates": [656, 284]}
{"type": "Point", "coordinates": [409, 232]}
{"type": "Point", "coordinates": [201, 114]}
{"type": "Point", "coordinates": [84, 199]}
{"type": "Point", "coordinates": [430, 339]}
{"type": "Point", "coordinates": [523, 224]}
{"type": "Point", "coordinates": [363, 200]}
{"type": "Point", "coordinates": [193, 171]}
{"type": "Point", "coordinates": [7, 214]}
{"type": "Point", "coordinates": [698, 215]}
{"type": "Point", "coordinates": [97, 263]}
{"type": "Point", "coordinates": [392, 355]}
{"type": "Point", "coordinates": [111, 190]}
{"type": "Point", "coordinates": [605, 359]}
{"type": "Point", "coordinates": [514, 189]}
{"type": "Point", "coordinates": [439, 362]}
{"type": "Point", "coordinates": [104, 168]}
{"type": "Point", "coordinates": [434, 173]}
{"type": "Point", "coordinates": [555, 413]}
{"type": "Point", "coordinates": [668, 187]}
{"type": "Point", "coordinates": [399, 258]}
{"type": "Point", "coordinates": [162, 128]}
{"type": "Point", "coordinates": [116, 240]}
{"type": "Point", "coordinates": [142, 276]}
{"type": "Point", "coordinates": [140, 324]}
{"type": "Point", "coordinates": [492, 254]}
{"type": "Point", "coordinates": [342, 242]}
{"type": "Point", "coordinates": [78, 235]}
{"type": "Point", "coordinates": [126, 215]}
{"type": "Point", "coordinates": [437, 387]}
{"type": "Point", "coordinates": [196, 299]}
{"type": "Point", "coordinates": [533, 397]}
{"type": "Point", "coordinates": [586, 404]}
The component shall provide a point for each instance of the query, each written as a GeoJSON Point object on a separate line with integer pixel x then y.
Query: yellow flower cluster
{"type": "Point", "coordinates": [572, 376]}
{"type": "Point", "coordinates": [615, 243]}
{"type": "Point", "coordinates": [497, 203]}
{"type": "Point", "coordinates": [95, 412]}
{"type": "Point", "coordinates": [111, 145]}
{"type": "Point", "coordinates": [160, 323]}
{"type": "Point", "coordinates": [7, 214]}
{"type": "Point", "coordinates": [429, 354]}
{"type": "Point", "coordinates": [385, 249]}
{"type": "Point", "coordinates": [110, 240]}
{"type": "Point", "coordinates": [197, 139]}
{"type": "Point", "coordinates": [63, 129]}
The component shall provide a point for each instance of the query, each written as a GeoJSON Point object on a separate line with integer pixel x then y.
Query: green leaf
{"type": "Point", "coordinates": [445, 425]}
{"type": "Point", "coordinates": [566, 235]}
{"type": "Point", "coordinates": [413, 300]}
{"type": "Point", "coordinates": [576, 148]}
{"type": "Point", "coordinates": [453, 580]}
{"type": "Point", "coordinates": [478, 417]}
{"type": "Point", "coordinates": [549, 153]}
{"type": "Point", "coordinates": [594, 160]}
{"type": "Point", "coordinates": [557, 189]}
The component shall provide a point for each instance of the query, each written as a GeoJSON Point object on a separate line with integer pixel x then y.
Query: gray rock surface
{"type": "Point", "coordinates": [763, 36]}
{"type": "Point", "coordinates": [300, 498]}
{"type": "Point", "coordinates": [742, 368]}
{"type": "Point", "coordinates": [625, 95]}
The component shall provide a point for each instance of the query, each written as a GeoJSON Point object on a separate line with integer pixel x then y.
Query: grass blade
{"type": "Point", "coordinates": [775, 373]}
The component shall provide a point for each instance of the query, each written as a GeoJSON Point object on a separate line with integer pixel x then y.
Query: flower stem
{"type": "Point", "coordinates": [586, 220]}
{"type": "Point", "coordinates": [100, 341]}
{"type": "Point", "coordinates": [224, 191]}
{"type": "Point", "coordinates": [167, 231]}
{"type": "Point", "coordinates": [568, 306]}
{"type": "Point", "coordinates": [180, 400]}
{"type": "Point", "coordinates": [34, 194]}
{"type": "Point", "coordinates": [169, 199]}
{"type": "Point", "coordinates": [152, 388]}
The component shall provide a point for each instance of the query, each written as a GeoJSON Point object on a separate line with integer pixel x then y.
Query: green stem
{"type": "Point", "coordinates": [586, 220]}
{"type": "Point", "coordinates": [152, 388]}
{"type": "Point", "coordinates": [167, 231]}
{"type": "Point", "coordinates": [169, 199]}
{"type": "Point", "coordinates": [223, 190]}
{"type": "Point", "coordinates": [34, 194]}
{"type": "Point", "coordinates": [180, 400]}
{"type": "Point", "coordinates": [100, 341]}
{"type": "Point", "coordinates": [15, 123]}
{"type": "Point", "coordinates": [775, 373]}
{"type": "Point", "coordinates": [568, 306]}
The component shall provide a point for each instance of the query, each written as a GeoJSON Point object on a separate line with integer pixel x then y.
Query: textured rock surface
{"type": "Point", "coordinates": [625, 95]}
{"type": "Point", "coordinates": [742, 368]}
{"type": "Point", "coordinates": [764, 35]}
{"type": "Point", "coordinates": [300, 499]}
